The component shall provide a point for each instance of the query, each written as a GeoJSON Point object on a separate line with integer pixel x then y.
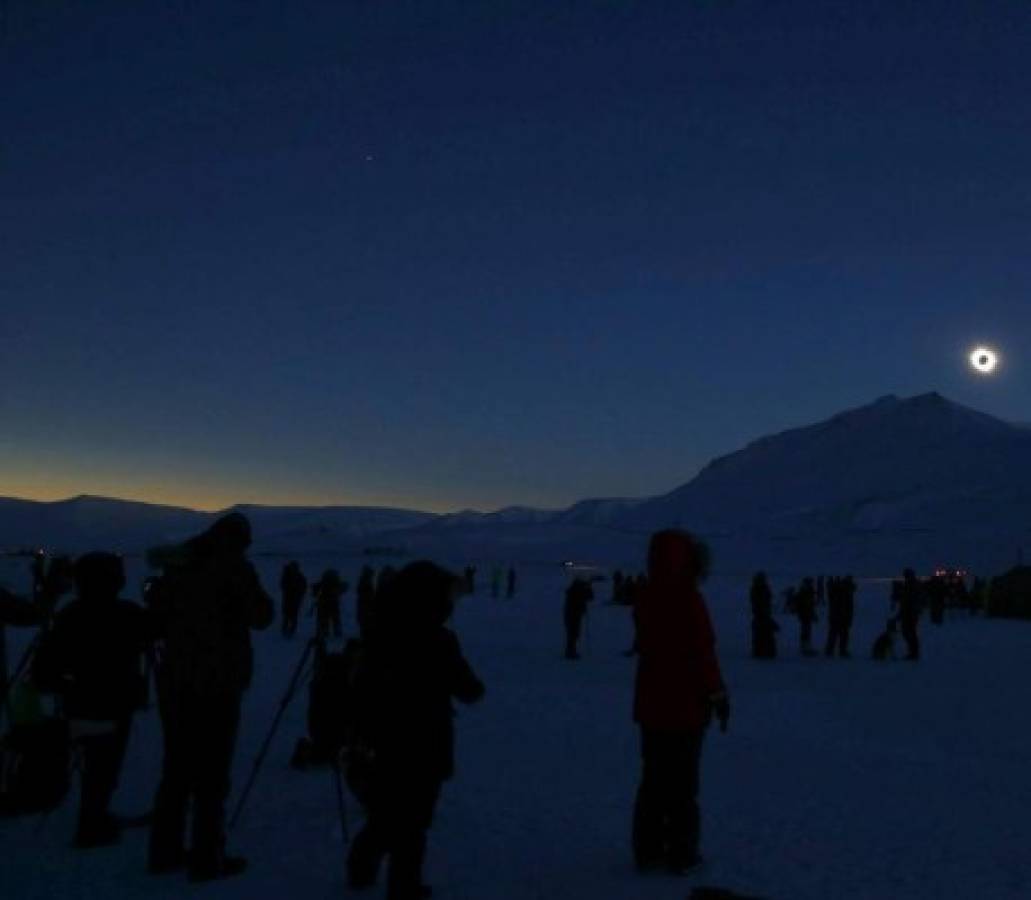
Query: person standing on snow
{"type": "Point", "coordinates": [910, 603]}
{"type": "Point", "coordinates": [678, 689]}
{"type": "Point", "coordinates": [293, 586]}
{"type": "Point", "coordinates": [413, 669]}
{"type": "Point", "coordinates": [578, 595]}
{"type": "Point", "coordinates": [93, 658]}
{"type": "Point", "coordinates": [764, 627]}
{"type": "Point", "coordinates": [805, 609]}
{"type": "Point", "coordinates": [205, 605]}
{"type": "Point", "coordinates": [328, 590]}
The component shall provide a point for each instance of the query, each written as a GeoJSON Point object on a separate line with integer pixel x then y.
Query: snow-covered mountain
{"type": "Point", "coordinates": [921, 479]}
{"type": "Point", "coordinates": [84, 523]}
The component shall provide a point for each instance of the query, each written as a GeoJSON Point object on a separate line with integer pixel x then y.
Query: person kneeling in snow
{"type": "Point", "coordinates": [412, 669]}
{"type": "Point", "coordinates": [678, 689]}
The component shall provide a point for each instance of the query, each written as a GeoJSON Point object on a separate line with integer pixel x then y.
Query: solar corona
{"type": "Point", "coordinates": [984, 361]}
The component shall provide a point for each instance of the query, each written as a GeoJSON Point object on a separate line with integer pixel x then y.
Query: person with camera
{"type": "Point", "coordinates": [678, 690]}
{"type": "Point", "coordinates": [93, 657]}
{"type": "Point", "coordinates": [328, 592]}
{"type": "Point", "coordinates": [206, 603]}
{"type": "Point", "coordinates": [404, 730]}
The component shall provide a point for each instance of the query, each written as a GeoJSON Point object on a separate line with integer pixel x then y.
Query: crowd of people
{"type": "Point", "coordinates": [97, 653]}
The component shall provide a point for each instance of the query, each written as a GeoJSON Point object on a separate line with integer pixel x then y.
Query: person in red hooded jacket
{"type": "Point", "coordinates": [678, 689]}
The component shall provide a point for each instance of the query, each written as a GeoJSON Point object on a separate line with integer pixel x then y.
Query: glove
{"type": "Point", "coordinates": [721, 709]}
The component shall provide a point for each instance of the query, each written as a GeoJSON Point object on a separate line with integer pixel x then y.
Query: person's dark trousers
{"type": "Point", "coordinates": [102, 758]}
{"type": "Point", "coordinates": [399, 816]}
{"type": "Point", "coordinates": [334, 618]}
{"type": "Point", "coordinates": [908, 628]}
{"type": "Point", "coordinates": [666, 816]}
{"type": "Point", "coordinates": [844, 638]}
{"type": "Point", "coordinates": [199, 739]}
{"type": "Point", "coordinates": [807, 631]}
{"type": "Point", "coordinates": [572, 638]}
{"type": "Point", "coordinates": [291, 609]}
{"type": "Point", "coordinates": [835, 639]}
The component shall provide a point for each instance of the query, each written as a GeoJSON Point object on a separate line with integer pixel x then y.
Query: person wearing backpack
{"type": "Point", "coordinates": [403, 728]}
{"type": "Point", "coordinates": [677, 690]}
{"type": "Point", "coordinates": [206, 603]}
{"type": "Point", "coordinates": [93, 658]}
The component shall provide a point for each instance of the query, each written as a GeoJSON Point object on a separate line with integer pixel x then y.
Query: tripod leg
{"type": "Point", "coordinates": [260, 759]}
{"type": "Point", "coordinates": [341, 807]}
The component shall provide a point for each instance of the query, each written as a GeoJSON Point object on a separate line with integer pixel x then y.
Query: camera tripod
{"type": "Point", "coordinates": [314, 650]}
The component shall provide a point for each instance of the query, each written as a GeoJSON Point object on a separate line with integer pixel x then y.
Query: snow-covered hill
{"type": "Point", "coordinates": [84, 523]}
{"type": "Point", "coordinates": [921, 479]}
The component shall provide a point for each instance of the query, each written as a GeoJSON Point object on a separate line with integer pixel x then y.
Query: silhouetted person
{"type": "Point", "coordinates": [910, 602]}
{"type": "Point", "coordinates": [841, 594]}
{"type": "Point", "coordinates": [937, 593]}
{"type": "Point", "coordinates": [470, 579]}
{"type": "Point", "coordinates": [208, 600]}
{"type": "Point", "coordinates": [27, 612]}
{"type": "Point", "coordinates": [94, 658]}
{"type": "Point", "coordinates": [293, 586]}
{"type": "Point", "coordinates": [383, 579]}
{"type": "Point", "coordinates": [328, 591]}
{"type": "Point", "coordinates": [805, 609]}
{"type": "Point", "coordinates": [414, 667]}
{"type": "Point", "coordinates": [678, 688]}
{"type": "Point", "coordinates": [617, 586]}
{"type": "Point", "coordinates": [510, 589]}
{"type": "Point", "coordinates": [578, 595]}
{"type": "Point", "coordinates": [495, 581]}
{"type": "Point", "coordinates": [764, 627]}
{"type": "Point", "coordinates": [365, 602]}
{"type": "Point", "coordinates": [821, 590]}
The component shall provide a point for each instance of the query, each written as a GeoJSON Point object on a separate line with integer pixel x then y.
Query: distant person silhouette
{"type": "Point", "coordinates": [764, 627]}
{"type": "Point", "coordinates": [841, 594]}
{"type": "Point", "coordinates": [413, 668]}
{"type": "Point", "coordinates": [328, 591]}
{"type": "Point", "coordinates": [937, 594]}
{"type": "Point", "coordinates": [94, 659]}
{"type": "Point", "coordinates": [470, 579]}
{"type": "Point", "coordinates": [495, 581]}
{"type": "Point", "coordinates": [678, 689]}
{"type": "Point", "coordinates": [617, 586]}
{"type": "Point", "coordinates": [578, 595]}
{"type": "Point", "coordinates": [805, 610]}
{"type": "Point", "coordinates": [510, 590]}
{"type": "Point", "coordinates": [365, 601]}
{"type": "Point", "coordinates": [206, 603]}
{"type": "Point", "coordinates": [293, 586]}
{"type": "Point", "coordinates": [910, 603]}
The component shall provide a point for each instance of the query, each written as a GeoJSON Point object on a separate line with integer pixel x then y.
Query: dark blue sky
{"type": "Point", "coordinates": [444, 254]}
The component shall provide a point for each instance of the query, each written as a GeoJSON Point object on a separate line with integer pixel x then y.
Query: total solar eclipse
{"type": "Point", "coordinates": [984, 361]}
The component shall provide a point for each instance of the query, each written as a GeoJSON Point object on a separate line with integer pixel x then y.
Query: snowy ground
{"type": "Point", "coordinates": [844, 779]}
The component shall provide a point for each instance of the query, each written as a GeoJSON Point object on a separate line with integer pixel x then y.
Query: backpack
{"type": "Point", "coordinates": [35, 763]}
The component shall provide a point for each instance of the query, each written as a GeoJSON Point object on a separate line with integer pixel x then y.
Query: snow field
{"type": "Point", "coordinates": [838, 778]}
